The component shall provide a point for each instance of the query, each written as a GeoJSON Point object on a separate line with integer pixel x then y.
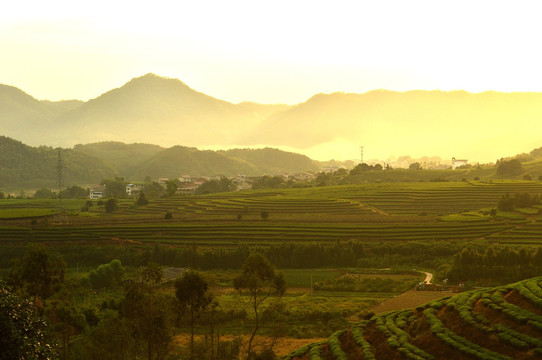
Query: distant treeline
{"type": "Point", "coordinates": [284, 255]}
{"type": "Point", "coordinates": [477, 263]}
{"type": "Point", "coordinates": [496, 264]}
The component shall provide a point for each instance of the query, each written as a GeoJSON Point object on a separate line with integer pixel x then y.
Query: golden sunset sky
{"type": "Point", "coordinates": [271, 51]}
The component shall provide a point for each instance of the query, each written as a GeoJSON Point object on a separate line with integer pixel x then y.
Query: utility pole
{"type": "Point", "coordinates": [361, 148]}
{"type": "Point", "coordinates": [60, 179]}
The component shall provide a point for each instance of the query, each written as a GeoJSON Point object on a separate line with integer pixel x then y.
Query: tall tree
{"type": "Point", "coordinates": [22, 333]}
{"type": "Point", "coordinates": [38, 274]}
{"type": "Point", "coordinates": [257, 282]}
{"type": "Point", "coordinates": [192, 291]}
{"type": "Point", "coordinates": [171, 187]}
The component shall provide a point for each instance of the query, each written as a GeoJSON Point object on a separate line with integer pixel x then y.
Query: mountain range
{"type": "Point", "coordinates": [167, 112]}
{"type": "Point", "coordinates": [34, 167]}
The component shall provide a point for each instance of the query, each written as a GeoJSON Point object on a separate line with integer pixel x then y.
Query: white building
{"type": "Point", "coordinates": [457, 163]}
{"type": "Point", "coordinates": [133, 190]}
{"type": "Point", "coordinates": [97, 192]}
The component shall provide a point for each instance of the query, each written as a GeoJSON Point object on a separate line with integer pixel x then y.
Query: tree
{"type": "Point", "coordinates": [111, 205]}
{"type": "Point", "coordinates": [75, 192]}
{"type": "Point", "coordinates": [44, 193]}
{"type": "Point", "coordinates": [192, 291]}
{"type": "Point", "coordinates": [37, 274]}
{"type": "Point", "coordinates": [142, 199]}
{"type": "Point", "coordinates": [415, 166]}
{"type": "Point", "coordinates": [214, 186]}
{"type": "Point", "coordinates": [155, 322]}
{"type": "Point", "coordinates": [22, 333]}
{"type": "Point", "coordinates": [258, 281]}
{"type": "Point", "coordinates": [115, 188]}
{"type": "Point", "coordinates": [67, 322]}
{"type": "Point", "coordinates": [107, 276]}
{"type": "Point", "coordinates": [153, 190]}
{"type": "Point", "coordinates": [509, 167]}
{"type": "Point", "coordinates": [171, 188]}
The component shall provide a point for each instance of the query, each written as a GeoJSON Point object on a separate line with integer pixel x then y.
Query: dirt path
{"type": "Point", "coordinates": [408, 300]}
{"type": "Point", "coordinates": [428, 277]}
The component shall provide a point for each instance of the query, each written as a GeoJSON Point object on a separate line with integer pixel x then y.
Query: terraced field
{"type": "Point", "coordinates": [501, 323]}
{"type": "Point", "coordinates": [377, 211]}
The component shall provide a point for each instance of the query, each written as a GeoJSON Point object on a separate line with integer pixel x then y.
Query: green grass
{"type": "Point", "coordinates": [15, 213]}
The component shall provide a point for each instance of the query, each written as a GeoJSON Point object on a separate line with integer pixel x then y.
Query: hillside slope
{"type": "Point", "coordinates": [502, 323]}
{"type": "Point", "coordinates": [154, 109]}
{"type": "Point", "coordinates": [118, 155]}
{"type": "Point", "coordinates": [25, 166]}
{"type": "Point", "coordinates": [180, 160]}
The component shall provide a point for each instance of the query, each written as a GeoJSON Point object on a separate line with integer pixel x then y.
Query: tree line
{"type": "Point", "coordinates": [496, 264]}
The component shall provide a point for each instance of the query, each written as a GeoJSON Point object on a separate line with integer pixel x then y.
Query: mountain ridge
{"type": "Point", "coordinates": [166, 111]}
{"type": "Point", "coordinates": [34, 167]}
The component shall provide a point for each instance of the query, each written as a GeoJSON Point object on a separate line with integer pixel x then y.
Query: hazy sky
{"type": "Point", "coordinates": [275, 51]}
{"type": "Point", "coordinates": [270, 51]}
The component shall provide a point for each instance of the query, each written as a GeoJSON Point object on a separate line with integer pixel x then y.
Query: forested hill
{"type": "Point", "coordinates": [502, 323]}
{"type": "Point", "coordinates": [23, 166]}
{"type": "Point", "coordinates": [136, 161]}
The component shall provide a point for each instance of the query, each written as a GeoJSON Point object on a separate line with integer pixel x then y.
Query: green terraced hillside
{"type": "Point", "coordinates": [502, 323]}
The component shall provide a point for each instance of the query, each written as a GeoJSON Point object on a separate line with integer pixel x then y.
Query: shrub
{"type": "Point", "coordinates": [168, 216]}
{"type": "Point", "coordinates": [111, 205]}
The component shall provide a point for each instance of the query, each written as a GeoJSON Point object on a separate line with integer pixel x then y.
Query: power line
{"type": "Point", "coordinates": [60, 179]}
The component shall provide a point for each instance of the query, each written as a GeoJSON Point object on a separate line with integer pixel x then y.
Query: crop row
{"type": "Point", "coordinates": [495, 301]}
{"type": "Point", "coordinates": [531, 291]}
{"type": "Point", "coordinates": [334, 342]}
{"type": "Point", "coordinates": [391, 326]}
{"type": "Point", "coordinates": [240, 231]}
{"type": "Point", "coordinates": [459, 342]}
{"type": "Point", "coordinates": [463, 303]}
{"type": "Point", "coordinates": [357, 334]}
{"type": "Point", "coordinates": [314, 352]}
{"type": "Point", "coordinates": [302, 351]}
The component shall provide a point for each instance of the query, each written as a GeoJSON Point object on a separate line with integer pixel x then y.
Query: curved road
{"type": "Point", "coordinates": [428, 277]}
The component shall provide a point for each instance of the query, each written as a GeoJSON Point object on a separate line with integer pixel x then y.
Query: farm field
{"type": "Point", "coordinates": [377, 212]}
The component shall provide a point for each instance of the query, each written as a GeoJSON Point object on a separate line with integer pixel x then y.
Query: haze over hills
{"type": "Point", "coordinates": [152, 109]}
{"type": "Point", "coordinates": [456, 123]}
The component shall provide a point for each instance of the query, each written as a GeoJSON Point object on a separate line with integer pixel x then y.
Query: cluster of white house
{"type": "Point", "coordinates": [189, 184]}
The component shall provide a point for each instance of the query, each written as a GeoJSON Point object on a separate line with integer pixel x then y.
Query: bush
{"type": "Point", "coordinates": [264, 215]}
{"type": "Point", "coordinates": [111, 205]}
{"type": "Point", "coordinates": [168, 216]}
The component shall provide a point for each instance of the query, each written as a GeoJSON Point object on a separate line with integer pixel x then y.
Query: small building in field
{"type": "Point", "coordinates": [97, 192]}
{"type": "Point", "coordinates": [457, 163]}
{"type": "Point", "coordinates": [133, 190]}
